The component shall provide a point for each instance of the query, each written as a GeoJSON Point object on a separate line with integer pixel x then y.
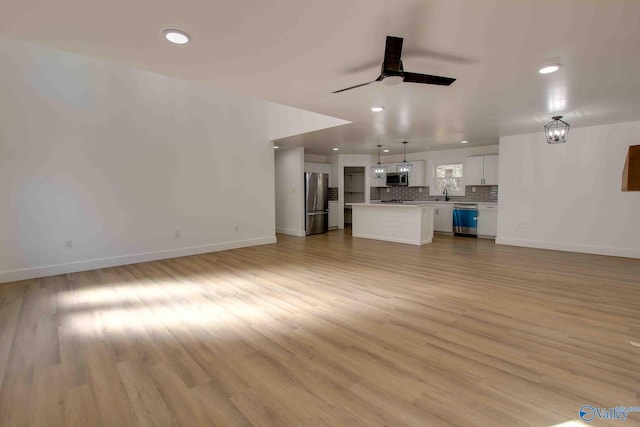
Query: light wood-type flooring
{"type": "Point", "coordinates": [326, 331]}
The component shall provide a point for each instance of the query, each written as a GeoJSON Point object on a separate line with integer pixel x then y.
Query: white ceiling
{"type": "Point", "coordinates": [297, 52]}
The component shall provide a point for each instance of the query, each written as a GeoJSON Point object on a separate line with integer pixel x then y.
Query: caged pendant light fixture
{"type": "Point", "coordinates": [556, 131]}
{"type": "Point", "coordinates": [404, 167]}
{"type": "Point", "coordinates": [379, 170]}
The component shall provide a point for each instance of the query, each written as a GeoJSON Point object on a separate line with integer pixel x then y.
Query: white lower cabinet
{"type": "Point", "coordinates": [487, 220]}
{"type": "Point", "coordinates": [333, 215]}
{"type": "Point", "coordinates": [443, 218]}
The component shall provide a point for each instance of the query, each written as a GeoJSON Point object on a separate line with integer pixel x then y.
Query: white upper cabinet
{"type": "Point", "coordinates": [418, 177]}
{"type": "Point", "coordinates": [317, 167]}
{"type": "Point", "coordinates": [327, 168]}
{"type": "Point", "coordinates": [474, 170]}
{"type": "Point", "coordinates": [491, 170]}
{"type": "Point", "coordinates": [333, 176]}
{"type": "Point", "coordinates": [481, 170]}
{"type": "Point", "coordinates": [379, 182]}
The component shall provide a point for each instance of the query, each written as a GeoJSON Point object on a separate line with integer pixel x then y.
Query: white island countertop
{"type": "Point", "coordinates": [393, 222]}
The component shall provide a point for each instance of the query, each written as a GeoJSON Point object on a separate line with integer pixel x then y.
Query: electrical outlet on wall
{"type": "Point", "coordinates": [521, 225]}
{"type": "Point", "coordinates": [237, 228]}
{"type": "Point", "coordinates": [178, 234]}
{"type": "Point", "coordinates": [68, 244]}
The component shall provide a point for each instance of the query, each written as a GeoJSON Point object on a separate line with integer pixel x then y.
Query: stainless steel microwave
{"type": "Point", "coordinates": [396, 179]}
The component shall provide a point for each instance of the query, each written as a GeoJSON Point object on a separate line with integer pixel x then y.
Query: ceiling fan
{"type": "Point", "coordinates": [394, 73]}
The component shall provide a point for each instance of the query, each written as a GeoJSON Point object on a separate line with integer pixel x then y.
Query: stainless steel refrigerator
{"type": "Point", "coordinates": [316, 192]}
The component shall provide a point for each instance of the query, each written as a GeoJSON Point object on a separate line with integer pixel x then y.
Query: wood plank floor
{"type": "Point", "coordinates": [326, 331]}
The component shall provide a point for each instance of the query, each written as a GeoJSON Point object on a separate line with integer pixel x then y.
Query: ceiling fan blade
{"type": "Point", "coordinates": [434, 55]}
{"type": "Point", "coordinates": [353, 87]}
{"type": "Point", "coordinates": [392, 53]}
{"type": "Point", "coordinates": [428, 79]}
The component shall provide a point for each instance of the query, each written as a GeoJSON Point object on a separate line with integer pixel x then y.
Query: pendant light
{"type": "Point", "coordinates": [404, 167]}
{"type": "Point", "coordinates": [556, 130]}
{"type": "Point", "coordinates": [379, 170]}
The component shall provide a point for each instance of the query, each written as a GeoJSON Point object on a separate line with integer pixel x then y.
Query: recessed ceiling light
{"type": "Point", "coordinates": [386, 150]}
{"type": "Point", "coordinates": [176, 36]}
{"type": "Point", "coordinates": [464, 142]}
{"type": "Point", "coordinates": [377, 109]}
{"type": "Point", "coordinates": [551, 68]}
{"type": "Point", "coordinates": [276, 147]}
{"type": "Point", "coordinates": [335, 149]}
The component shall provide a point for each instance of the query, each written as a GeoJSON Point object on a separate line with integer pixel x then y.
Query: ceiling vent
{"type": "Point", "coordinates": [631, 173]}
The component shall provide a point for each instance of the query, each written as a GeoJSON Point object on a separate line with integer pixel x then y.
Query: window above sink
{"type": "Point", "coordinates": [449, 176]}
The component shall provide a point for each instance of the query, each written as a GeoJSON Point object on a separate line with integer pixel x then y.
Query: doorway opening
{"type": "Point", "coordinates": [353, 189]}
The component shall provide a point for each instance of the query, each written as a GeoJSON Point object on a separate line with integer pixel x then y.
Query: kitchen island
{"type": "Point", "coordinates": [401, 223]}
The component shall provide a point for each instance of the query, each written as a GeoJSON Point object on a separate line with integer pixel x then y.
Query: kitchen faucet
{"type": "Point", "coordinates": [446, 194]}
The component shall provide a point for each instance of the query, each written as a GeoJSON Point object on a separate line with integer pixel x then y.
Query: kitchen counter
{"type": "Point", "coordinates": [428, 202]}
{"type": "Point", "coordinates": [404, 204]}
{"type": "Point", "coordinates": [409, 222]}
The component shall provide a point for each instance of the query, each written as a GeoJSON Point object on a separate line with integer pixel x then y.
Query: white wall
{"type": "Point", "coordinates": [289, 190]}
{"type": "Point", "coordinates": [285, 121]}
{"type": "Point", "coordinates": [316, 158]}
{"type": "Point", "coordinates": [568, 196]}
{"type": "Point", "coordinates": [117, 160]}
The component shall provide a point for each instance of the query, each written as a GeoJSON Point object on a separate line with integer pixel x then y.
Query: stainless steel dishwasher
{"type": "Point", "coordinates": [465, 219]}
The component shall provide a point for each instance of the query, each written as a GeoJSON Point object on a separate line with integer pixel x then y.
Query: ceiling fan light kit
{"type": "Point", "coordinates": [556, 130]}
{"type": "Point", "coordinates": [404, 167]}
{"type": "Point", "coordinates": [393, 73]}
{"type": "Point", "coordinates": [379, 170]}
{"type": "Point", "coordinates": [392, 80]}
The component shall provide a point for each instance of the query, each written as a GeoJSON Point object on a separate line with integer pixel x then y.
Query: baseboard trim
{"type": "Point", "coordinates": [291, 231]}
{"type": "Point", "coordinates": [92, 264]}
{"type": "Point", "coordinates": [392, 239]}
{"type": "Point", "coordinates": [570, 247]}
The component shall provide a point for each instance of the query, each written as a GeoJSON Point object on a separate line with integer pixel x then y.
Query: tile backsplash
{"type": "Point", "coordinates": [483, 193]}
